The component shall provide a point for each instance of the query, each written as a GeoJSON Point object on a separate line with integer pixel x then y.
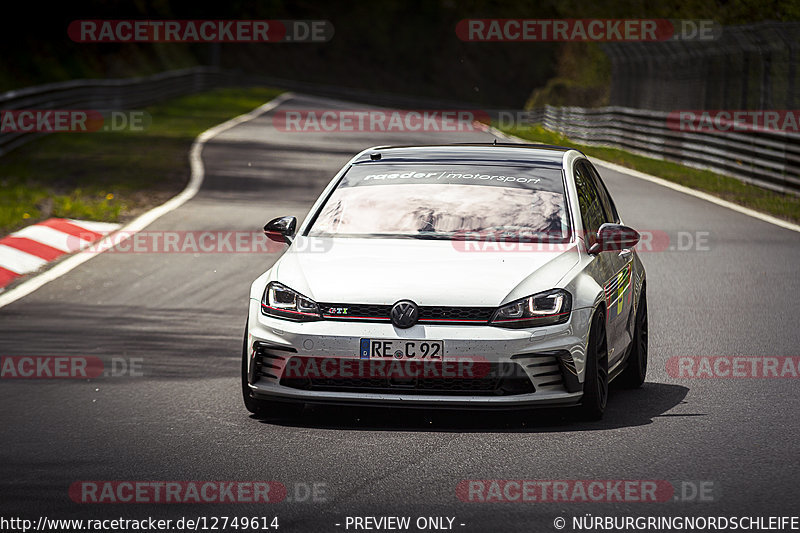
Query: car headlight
{"type": "Point", "coordinates": [543, 309]}
{"type": "Point", "coordinates": [281, 301]}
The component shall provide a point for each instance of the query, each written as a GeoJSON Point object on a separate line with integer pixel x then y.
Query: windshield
{"type": "Point", "coordinates": [447, 202]}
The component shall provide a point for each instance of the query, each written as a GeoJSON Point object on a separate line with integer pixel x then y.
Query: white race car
{"type": "Point", "coordinates": [470, 276]}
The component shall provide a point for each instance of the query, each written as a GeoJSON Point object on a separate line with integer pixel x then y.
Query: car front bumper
{"type": "Point", "coordinates": [552, 358]}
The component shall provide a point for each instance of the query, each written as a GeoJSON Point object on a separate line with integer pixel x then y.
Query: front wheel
{"type": "Point", "coordinates": [634, 374]}
{"type": "Point", "coordinates": [595, 382]}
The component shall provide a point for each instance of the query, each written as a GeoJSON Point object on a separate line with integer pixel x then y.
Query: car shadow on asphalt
{"type": "Point", "coordinates": [625, 408]}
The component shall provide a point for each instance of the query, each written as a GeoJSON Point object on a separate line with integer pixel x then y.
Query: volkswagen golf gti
{"type": "Point", "coordinates": [486, 276]}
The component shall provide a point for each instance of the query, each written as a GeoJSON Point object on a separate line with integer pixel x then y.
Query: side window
{"type": "Point", "coordinates": [605, 198]}
{"type": "Point", "coordinates": [592, 214]}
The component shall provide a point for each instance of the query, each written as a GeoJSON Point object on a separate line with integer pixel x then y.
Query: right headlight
{"type": "Point", "coordinates": [542, 309]}
{"type": "Point", "coordinates": [282, 302]}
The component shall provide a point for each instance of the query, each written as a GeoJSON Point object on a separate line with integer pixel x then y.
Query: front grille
{"type": "Point", "coordinates": [427, 314]}
{"type": "Point", "coordinates": [455, 314]}
{"type": "Point", "coordinates": [407, 377]}
{"type": "Point", "coordinates": [356, 311]}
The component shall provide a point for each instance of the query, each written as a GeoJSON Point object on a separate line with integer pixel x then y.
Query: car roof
{"type": "Point", "coordinates": [530, 154]}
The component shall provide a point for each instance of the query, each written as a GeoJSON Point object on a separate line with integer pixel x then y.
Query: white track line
{"type": "Point", "coordinates": [670, 185]}
{"type": "Point", "coordinates": [144, 220]}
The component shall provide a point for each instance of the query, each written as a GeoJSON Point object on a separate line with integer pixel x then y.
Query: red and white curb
{"type": "Point", "coordinates": [31, 248]}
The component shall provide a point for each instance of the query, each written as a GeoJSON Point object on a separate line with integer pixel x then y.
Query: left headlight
{"type": "Point", "coordinates": [282, 302]}
{"type": "Point", "coordinates": [543, 309]}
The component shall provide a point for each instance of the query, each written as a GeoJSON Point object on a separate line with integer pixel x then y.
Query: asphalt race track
{"type": "Point", "coordinates": [182, 316]}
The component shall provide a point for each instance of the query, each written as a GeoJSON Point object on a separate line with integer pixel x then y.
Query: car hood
{"type": "Point", "coordinates": [429, 272]}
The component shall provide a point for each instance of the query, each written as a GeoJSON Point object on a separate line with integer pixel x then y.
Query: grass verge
{"type": "Point", "coordinates": [784, 206]}
{"type": "Point", "coordinates": [114, 176]}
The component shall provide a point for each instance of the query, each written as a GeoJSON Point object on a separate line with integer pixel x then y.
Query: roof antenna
{"type": "Point", "coordinates": [494, 143]}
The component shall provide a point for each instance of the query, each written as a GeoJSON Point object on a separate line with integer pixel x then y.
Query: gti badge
{"type": "Point", "coordinates": [404, 314]}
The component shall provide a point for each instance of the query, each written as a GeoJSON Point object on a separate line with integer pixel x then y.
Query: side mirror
{"type": "Point", "coordinates": [281, 229]}
{"type": "Point", "coordinates": [614, 238]}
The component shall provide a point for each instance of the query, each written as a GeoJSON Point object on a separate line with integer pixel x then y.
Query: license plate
{"type": "Point", "coordinates": [402, 349]}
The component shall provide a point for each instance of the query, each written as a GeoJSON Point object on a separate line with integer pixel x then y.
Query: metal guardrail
{"type": "Point", "coordinates": [764, 158]}
{"type": "Point", "coordinates": [753, 66]}
{"type": "Point", "coordinates": [769, 159]}
{"type": "Point", "coordinates": [107, 94]}
{"type": "Point", "coordinates": [128, 93]}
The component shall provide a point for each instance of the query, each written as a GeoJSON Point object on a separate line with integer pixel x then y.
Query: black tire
{"type": "Point", "coordinates": [636, 370]}
{"type": "Point", "coordinates": [264, 408]}
{"type": "Point", "coordinates": [595, 382]}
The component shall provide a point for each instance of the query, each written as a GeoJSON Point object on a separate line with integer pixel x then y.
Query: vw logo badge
{"type": "Point", "coordinates": [404, 314]}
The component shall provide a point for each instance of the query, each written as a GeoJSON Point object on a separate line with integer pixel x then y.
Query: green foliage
{"type": "Point", "coordinates": [110, 176]}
